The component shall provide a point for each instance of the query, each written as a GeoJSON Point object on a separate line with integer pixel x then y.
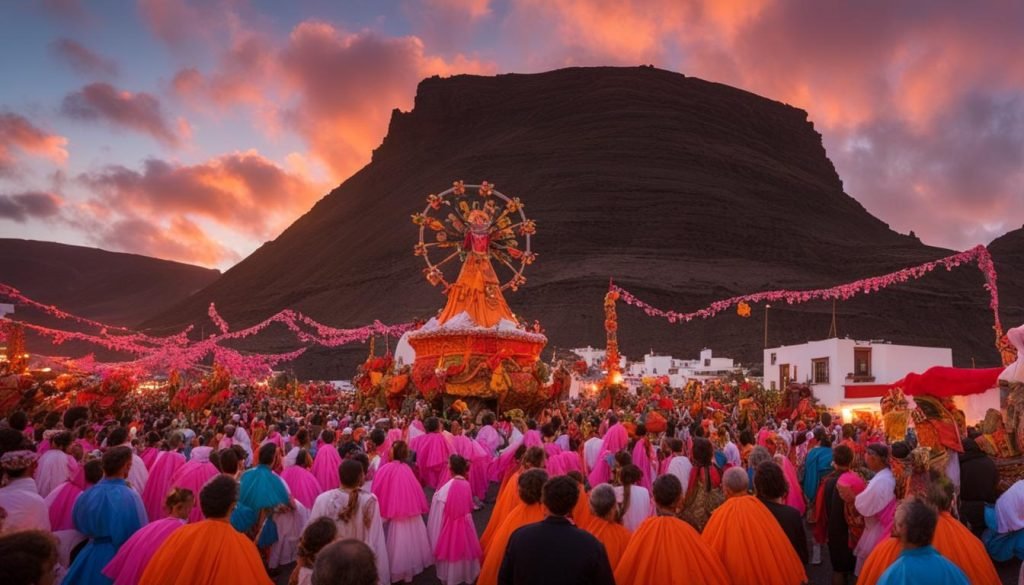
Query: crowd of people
{"type": "Point", "coordinates": [258, 489]}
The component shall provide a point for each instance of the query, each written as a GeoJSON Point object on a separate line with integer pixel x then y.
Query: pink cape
{"type": "Point", "coordinates": [533, 439]}
{"type": "Point", "coordinates": [193, 475]}
{"type": "Point", "coordinates": [479, 461]}
{"type": "Point", "coordinates": [504, 461]}
{"type": "Point", "coordinates": [62, 500]}
{"type": "Point", "coordinates": [489, 439]}
{"type": "Point", "coordinates": [159, 482]}
{"type": "Point", "coordinates": [385, 449]}
{"type": "Point", "coordinates": [432, 452]}
{"type": "Point", "coordinates": [398, 492]}
{"type": "Point", "coordinates": [325, 467]}
{"type": "Point", "coordinates": [131, 559]}
{"type": "Point", "coordinates": [570, 461]}
{"type": "Point", "coordinates": [458, 540]}
{"type": "Point", "coordinates": [302, 484]}
{"type": "Point", "coordinates": [149, 456]}
{"type": "Point", "coordinates": [795, 496]}
{"type": "Point", "coordinates": [614, 441]}
{"type": "Point", "coordinates": [642, 459]}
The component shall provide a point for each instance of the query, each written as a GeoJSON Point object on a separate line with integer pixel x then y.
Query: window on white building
{"type": "Point", "coordinates": [820, 368]}
{"type": "Point", "coordinates": [862, 362]}
{"type": "Point", "coordinates": [707, 362]}
{"type": "Point", "coordinates": [773, 358]}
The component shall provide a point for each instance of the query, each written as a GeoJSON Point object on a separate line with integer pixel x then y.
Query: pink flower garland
{"type": "Point", "coordinates": [978, 254]}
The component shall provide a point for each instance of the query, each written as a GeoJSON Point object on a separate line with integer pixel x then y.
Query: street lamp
{"type": "Point", "coordinates": [766, 307]}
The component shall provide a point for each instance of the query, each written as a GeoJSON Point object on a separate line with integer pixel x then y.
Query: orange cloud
{"type": "Point", "coordinates": [17, 133]}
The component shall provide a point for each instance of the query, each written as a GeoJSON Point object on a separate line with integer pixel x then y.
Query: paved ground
{"type": "Point", "coordinates": [818, 574]}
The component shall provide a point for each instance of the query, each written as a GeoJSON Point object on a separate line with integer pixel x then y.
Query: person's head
{"type": "Point", "coordinates": [303, 459]}
{"type": "Point", "coordinates": [327, 436]}
{"type": "Point", "coordinates": [175, 441]}
{"type": "Point", "coordinates": [770, 481]}
{"type": "Point", "coordinates": [18, 421]}
{"type": "Point", "coordinates": [399, 451]}
{"type": "Point", "coordinates": [18, 464]}
{"type": "Point", "coordinates": [27, 557]}
{"type": "Point", "coordinates": [703, 452]}
{"type": "Point", "coordinates": [488, 419]}
{"type": "Point", "coordinates": [432, 424]}
{"type": "Point", "coordinates": [378, 437]}
{"type": "Point", "coordinates": [61, 441]}
{"type": "Point", "coordinates": [93, 471]}
{"type": "Point", "coordinates": [117, 461]}
{"type": "Point", "coordinates": [603, 502]}
{"type": "Point", "coordinates": [228, 459]}
{"type": "Point", "coordinates": [842, 456]}
{"type": "Point", "coordinates": [560, 495]}
{"type": "Point", "coordinates": [362, 458]}
{"type": "Point", "coordinates": [302, 436]}
{"type": "Point", "coordinates": [668, 492]}
{"type": "Point", "coordinates": [676, 445]}
{"type": "Point", "coordinates": [876, 456]}
{"type": "Point", "coordinates": [534, 458]}
{"type": "Point", "coordinates": [268, 454]}
{"type": "Point", "coordinates": [458, 465]}
{"type": "Point", "coordinates": [940, 493]}
{"type": "Point", "coordinates": [318, 534]}
{"type": "Point", "coordinates": [630, 475]}
{"type": "Point", "coordinates": [217, 498]}
{"type": "Point", "coordinates": [914, 523]}
{"type": "Point", "coordinates": [351, 474]}
{"type": "Point", "coordinates": [117, 436]}
{"type": "Point", "coordinates": [531, 485]}
{"type": "Point", "coordinates": [735, 482]}
{"type": "Point", "coordinates": [345, 562]}
{"type": "Point", "coordinates": [746, 437]}
{"type": "Point", "coordinates": [822, 438]}
{"type": "Point", "coordinates": [849, 431]}
{"type": "Point", "coordinates": [179, 502]}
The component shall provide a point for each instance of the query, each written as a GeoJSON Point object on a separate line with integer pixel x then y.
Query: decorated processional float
{"type": "Point", "coordinates": [476, 353]}
{"type": "Point", "coordinates": [942, 401]}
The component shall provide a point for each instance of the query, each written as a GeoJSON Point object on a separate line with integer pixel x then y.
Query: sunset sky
{"type": "Point", "coordinates": [195, 131]}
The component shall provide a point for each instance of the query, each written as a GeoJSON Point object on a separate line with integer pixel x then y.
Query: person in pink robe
{"type": "Point", "coordinates": [644, 458]}
{"type": "Point", "coordinates": [478, 459]}
{"type": "Point", "coordinates": [326, 462]}
{"type": "Point", "coordinates": [385, 449]}
{"type": "Point", "coordinates": [301, 483]}
{"type": "Point", "coordinates": [193, 475]}
{"type": "Point", "coordinates": [402, 505]}
{"type": "Point", "coordinates": [128, 564]}
{"type": "Point", "coordinates": [452, 533]}
{"type": "Point", "coordinates": [160, 475]}
{"type": "Point", "coordinates": [152, 449]}
{"type": "Point", "coordinates": [432, 452]}
{"type": "Point", "coordinates": [488, 436]}
{"type": "Point", "coordinates": [56, 466]}
{"type": "Point", "coordinates": [615, 440]}
{"type": "Point", "coordinates": [795, 495]}
{"type": "Point", "coordinates": [61, 501]}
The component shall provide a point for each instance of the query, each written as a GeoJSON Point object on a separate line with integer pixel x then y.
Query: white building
{"type": "Point", "coordinates": [845, 374]}
{"type": "Point", "coordinates": [594, 358]}
{"type": "Point", "coordinates": [679, 371]}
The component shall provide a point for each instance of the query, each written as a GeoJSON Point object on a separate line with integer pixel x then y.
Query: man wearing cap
{"type": "Point", "coordinates": [877, 503]}
{"type": "Point", "coordinates": [26, 509]}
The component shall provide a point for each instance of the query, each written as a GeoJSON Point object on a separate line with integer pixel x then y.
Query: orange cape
{"type": "Point", "coordinates": [752, 545]}
{"type": "Point", "coordinates": [952, 539]}
{"type": "Point", "coordinates": [581, 515]}
{"type": "Point", "coordinates": [522, 515]}
{"type": "Point", "coordinates": [508, 498]}
{"type": "Point", "coordinates": [667, 551]}
{"type": "Point", "coordinates": [614, 537]}
{"type": "Point", "coordinates": [209, 552]}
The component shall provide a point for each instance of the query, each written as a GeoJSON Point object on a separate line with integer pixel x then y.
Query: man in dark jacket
{"type": "Point", "coordinates": [978, 480]}
{"type": "Point", "coordinates": [771, 488]}
{"type": "Point", "coordinates": [555, 551]}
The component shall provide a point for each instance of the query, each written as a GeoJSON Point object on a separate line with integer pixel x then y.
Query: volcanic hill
{"type": "Point", "coordinates": [111, 287]}
{"type": "Point", "coordinates": [682, 190]}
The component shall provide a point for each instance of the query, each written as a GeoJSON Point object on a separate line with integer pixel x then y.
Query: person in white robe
{"type": "Point", "coordinates": [877, 503]}
{"type": "Point", "coordinates": [26, 509]}
{"type": "Point", "coordinates": [55, 466]}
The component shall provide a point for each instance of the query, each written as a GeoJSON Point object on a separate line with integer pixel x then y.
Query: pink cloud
{"type": "Point", "coordinates": [82, 59]}
{"type": "Point", "coordinates": [17, 133]}
{"type": "Point", "coordinates": [180, 239]}
{"type": "Point", "coordinates": [136, 111]}
{"type": "Point", "coordinates": [20, 207]}
{"type": "Point", "coordinates": [242, 191]}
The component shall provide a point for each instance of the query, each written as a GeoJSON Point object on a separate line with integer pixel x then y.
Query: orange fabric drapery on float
{"type": "Point", "coordinates": [477, 293]}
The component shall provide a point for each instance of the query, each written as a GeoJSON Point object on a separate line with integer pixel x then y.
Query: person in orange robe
{"type": "Point", "coordinates": [508, 496]}
{"type": "Point", "coordinates": [530, 510]}
{"type": "Point", "coordinates": [667, 551]}
{"type": "Point", "coordinates": [209, 552]}
{"type": "Point", "coordinates": [952, 539]}
{"type": "Point", "coordinates": [752, 545]}
{"type": "Point", "coordinates": [603, 523]}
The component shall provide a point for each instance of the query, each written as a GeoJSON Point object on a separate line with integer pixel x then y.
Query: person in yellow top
{"type": "Point", "coordinates": [209, 552]}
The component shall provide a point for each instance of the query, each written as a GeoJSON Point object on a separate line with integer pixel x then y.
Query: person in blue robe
{"type": "Point", "coordinates": [919, 562]}
{"type": "Point", "coordinates": [108, 513]}
{"type": "Point", "coordinates": [817, 465]}
{"type": "Point", "coordinates": [261, 492]}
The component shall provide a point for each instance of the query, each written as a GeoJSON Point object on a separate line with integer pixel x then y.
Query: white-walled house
{"type": "Point", "coordinates": [845, 374]}
{"type": "Point", "coordinates": [679, 371]}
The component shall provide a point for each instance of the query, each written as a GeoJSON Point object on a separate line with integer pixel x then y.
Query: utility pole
{"type": "Point", "coordinates": [832, 332]}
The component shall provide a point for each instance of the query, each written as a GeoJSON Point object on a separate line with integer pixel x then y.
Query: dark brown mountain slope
{"type": "Point", "coordinates": [684, 191]}
{"type": "Point", "coordinates": [115, 288]}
